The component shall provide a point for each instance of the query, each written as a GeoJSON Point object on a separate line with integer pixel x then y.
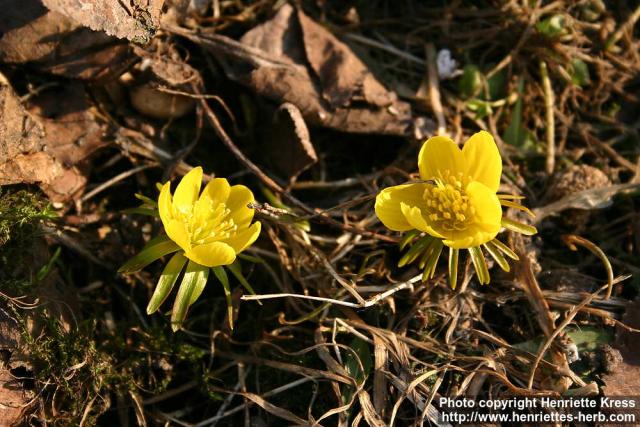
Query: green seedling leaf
{"type": "Point", "coordinates": [193, 282]}
{"type": "Point", "coordinates": [515, 133]}
{"type": "Point", "coordinates": [156, 248]}
{"type": "Point", "coordinates": [46, 269]}
{"type": "Point", "coordinates": [167, 279]}
{"type": "Point", "coordinates": [480, 107]}
{"type": "Point", "coordinates": [497, 85]}
{"type": "Point", "coordinates": [221, 274]}
{"type": "Point", "coordinates": [552, 27]}
{"type": "Point", "coordinates": [146, 200]}
{"type": "Point", "coordinates": [586, 339]}
{"type": "Point", "coordinates": [470, 82]}
{"type": "Point", "coordinates": [276, 202]}
{"type": "Point", "coordinates": [253, 259]}
{"type": "Point", "coordinates": [142, 211]}
{"type": "Point", "coordinates": [589, 338]}
{"type": "Point", "coordinates": [579, 72]}
{"type": "Point", "coordinates": [352, 365]}
{"type": "Point", "coordinates": [236, 270]}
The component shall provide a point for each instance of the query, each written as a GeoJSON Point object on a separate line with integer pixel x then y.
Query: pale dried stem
{"type": "Point", "coordinates": [363, 304]}
{"type": "Point", "coordinates": [549, 103]}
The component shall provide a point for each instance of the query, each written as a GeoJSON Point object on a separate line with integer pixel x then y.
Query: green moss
{"type": "Point", "coordinates": [68, 365]}
{"type": "Point", "coordinates": [20, 213]}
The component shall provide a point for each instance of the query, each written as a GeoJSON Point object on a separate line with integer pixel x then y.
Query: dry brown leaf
{"type": "Point", "coordinates": [135, 20]}
{"type": "Point", "coordinates": [72, 132]}
{"type": "Point", "coordinates": [343, 77]}
{"type": "Point", "coordinates": [328, 84]}
{"type": "Point", "coordinates": [19, 132]}
{"type": "Point", "coordinates": [29, 33]}
{"type": "Point", "coordinates": [336, 89]}
{"type": "Point", "coordinates": [58, 183]}
{"type": "Point", "coordinates": [37, 148]}
{"type": "Point", "coordinates": [291, 150]}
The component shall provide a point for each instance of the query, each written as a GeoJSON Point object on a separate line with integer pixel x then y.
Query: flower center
{"type": "Point", "coordinates": [207, 223]}
{"type": "Point", "coordinates": [447, 204]}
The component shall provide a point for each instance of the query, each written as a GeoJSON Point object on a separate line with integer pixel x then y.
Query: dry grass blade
{"type": "Point", "coordinates": [289, 367]}
{"type": "Point", "coordinates": [572, 240]}
{"type": "Point", "coordinates": [269, 407]}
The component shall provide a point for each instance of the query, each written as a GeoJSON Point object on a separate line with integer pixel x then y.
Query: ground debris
{"type": "Point", "coordinates": [55, 43]}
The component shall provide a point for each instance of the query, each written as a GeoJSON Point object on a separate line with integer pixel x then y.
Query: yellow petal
{"type": "Point", "coordinates": [488, 210]}
{"type": "Point", "coordinates": [217, 191]}
{"type": "Point", "coordinates": [165, 204]}
{"type": "Point", "coordinates": [388, 204]}
{"type": "Point", "coordinates": [244, 238]}
{"type": "Point", "coordinates": [483, 159]}
{"type": "Point", "coordinates": [413, 215]}
{"type": "Point", "coordinates": [239, 197]}
{"type": "Point", "coordinates": [188, 189]}
{"type": "Point", "coordinates": [439, 155]}
{"type": "Point", "coordinates": [177, 231]}
{"type": "Point", "coordinates": [212, 254]}
{"type": "Point", "coordinates": [464, 239]}
{"type": "Point", "coordinates": [485, 223]}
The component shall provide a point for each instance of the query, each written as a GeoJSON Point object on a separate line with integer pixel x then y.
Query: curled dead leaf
{"type": "Point", "coordinates": [291, 150]}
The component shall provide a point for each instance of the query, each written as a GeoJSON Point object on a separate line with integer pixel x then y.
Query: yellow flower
{"type": "Point", "coordinates": [213, 227]}
{"type": "Point", "coordinates": [456, 205]}
{"type": "Point", "coordinates": [204, 233]}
